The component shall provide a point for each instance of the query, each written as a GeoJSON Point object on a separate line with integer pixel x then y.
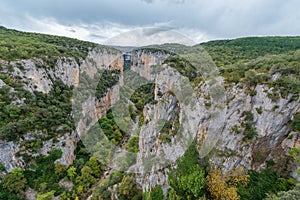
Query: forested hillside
{"type": "Point", "coordinates": [43, 155]}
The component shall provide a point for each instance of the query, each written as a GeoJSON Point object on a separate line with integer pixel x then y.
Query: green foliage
{"type": "Point", "coordinates": [86, 179]}
{"type": "Point", "coordinates": [194, 182]}
{"type": "Point", "coordinates": [43, 176]}
{"type": "Point", "coordinates": [115, 177]}
{"type": "Point", "coordinates": [251, 77]}
{"type": "Point", "coordinates": [14, 182]}
{"type": "Point", "coordinates": [155, 194]}
{"type": "Point", "coordinates": [13, 185]}
{"type": "Point", "coordinates": [5, 194]}
{"type": "Point", "coordinates": [259, 110]}
{"type": "Point", "coordinates": [225, 52]}
{"type": "Point", "coordinates": [133, 144]}
{"type": "Point", "coordinates": [84, 173]}
{"type": "Point", "coordinates": [183, 66]}
{"type": "Point", "coordinates": [127, 188]}
{"type": "Point", "coordinates": [293, 194]}
{"type": "Point", "coordinates": [262, 183]}
{"type": "Point", "coordinates": [102, 192]}
{"type": "Point", "coordinates": [46, 196]}
{"type": "Point", "coordinates": [295, 123]}
{"type": "Point", "coordinates": [242, 61]}
{"type": "Point", "coordinates": [82, 155]}
{"type": "Point", "coordinates": [96, 166]}
{"type": "Point", "coordinates": [60, 169]}
{"type": "Point", "coordinates": [2, 168]}
{"type": "Point", "coordinates": [188, 179]}
{"type": "Point", "coordinates": [72, 172]}
{"type": "Point", "coordinates": [249, 131]}
{"type": "Point", "coordinates": [132, 112]}
{"type": "Point", "coordinates": [143, 95]}
{"type": "Point", "coordinates": [20, 45]}
{"type": "Point", "coordinates": [46, 112]}
{"type": "Point", "coordinates": [110, 128]}
{"type": "Point", "coordinates": [107, 79]}
{"type": "Point", "coordinates": [18, 172]}
{"type": "Point", "coordinates": [295, 154]}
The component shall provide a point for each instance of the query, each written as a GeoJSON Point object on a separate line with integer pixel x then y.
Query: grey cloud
{"type": "Point", "coordinates": [215, 18]}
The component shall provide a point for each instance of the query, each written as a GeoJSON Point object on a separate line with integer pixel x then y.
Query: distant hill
{"type": "Point", "coordinates": [22, 45]}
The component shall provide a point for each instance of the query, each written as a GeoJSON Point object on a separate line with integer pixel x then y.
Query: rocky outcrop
{"type": "Point", "coordinates": [38, 75]}
{"type": "Point", "coordinates": [220, 130]}
{"type": "Point", "coordinates": [230, 146]}
{"type": "Point", "coordinates": [8, 156]}
{"type": "Point", "coordinates": [270, 120]}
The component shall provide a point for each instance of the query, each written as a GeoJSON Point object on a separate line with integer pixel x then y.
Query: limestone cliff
{"type": "Point", "coordinates": [37, 75]}
{"type": "Point", "coordinates": [268, 118]}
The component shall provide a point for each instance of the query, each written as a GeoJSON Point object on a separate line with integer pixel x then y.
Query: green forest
{"type": "Point", "coordinates": [245, 61]}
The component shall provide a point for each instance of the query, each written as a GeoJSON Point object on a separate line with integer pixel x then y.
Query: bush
{"type": "Point", "coordinates": [155, 194]}
{"type": "Point", "coordinates": [14, 183]}
{"type": "Point", "coordinates": [127, 188]}
{"type": "Point", "coordinates": [188, 179]}
{"type": "Point", "coordinates": [133, 144]}
{"type": "Point", "coordinates": [295, 123]}
{"type": "Point", "coordinates": [262, 183]}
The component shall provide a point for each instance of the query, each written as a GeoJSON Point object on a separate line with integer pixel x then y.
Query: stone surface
{"type": "Point", "coordinates": [273, 140]}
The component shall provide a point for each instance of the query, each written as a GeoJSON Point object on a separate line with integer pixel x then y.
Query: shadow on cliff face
{"type": "Point", "coordinates": [148, 128]}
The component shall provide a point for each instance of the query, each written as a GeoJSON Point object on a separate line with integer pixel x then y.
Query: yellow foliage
{"type": "Point", "coordinates": [222, 185]}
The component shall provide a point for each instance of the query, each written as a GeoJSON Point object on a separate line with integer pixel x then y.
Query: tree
{"type": "Point", "coordinates": [46, 196]}
{"type": "Point", "coordinates": [194, 182]}
{"type": "Point", "coordinates": [15, 182]}
{"type": "Point", "coordinates": [251, 77]}
{"type": "Point", "coordinates": [295, 123]}
{"type": "Point", "coordinates": [223, 186]}
{"type": "Point", "coordinates": [188, 178]}
{"type": "Point", "coordinates": [96, 166]}
{"type": "Point", "coordinates": [155, 194]}
{"type": "Point", "coordinates": [127, 188]}
{"type": "Point", "coordinates": [262, 183]}
{"type": "Point", "coordinates": [86, 178]}
{"type": "Point", "coordinates": [18, 172]}
{"type": "Point", "coordinates": [293, 194]}
{"type": "Point", "coordinates": [59, 169]}
{"type": "Point", "coordinates": [295, 153]}
{"type": "Point", "coordinates": [172, 195]}
{"type": "Point", "coordinates": [72, 172]}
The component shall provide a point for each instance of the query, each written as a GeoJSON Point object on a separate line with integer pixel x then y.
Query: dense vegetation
{"type": "Point", "coordinates": [20, 45]}
{"type": "Point", "coordinates": [110, 128]}
{"type": "Point", "coordinates": [225, 52]}
{"type": "Point", "coordinates": [106, 80]}
{"type": "Point", "coordinates": [45, 112]}
{"type": "Point", "coordinates": [273, 61]}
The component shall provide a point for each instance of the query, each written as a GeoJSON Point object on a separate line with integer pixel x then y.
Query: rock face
{"type": "Point", "coordinates": [8, 155]}
{"type": "Point", "coordinates": [269, 119]}
{"type": "Point", "coordinates": [39, 76]}
{"type": "Point", "coordinates": [270, 141]}
{"type": "Point", "coordinates": [232, 147]}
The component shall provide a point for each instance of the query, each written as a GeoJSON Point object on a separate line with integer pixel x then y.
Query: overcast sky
{"type": "Point", "coordinates": [200, 20]}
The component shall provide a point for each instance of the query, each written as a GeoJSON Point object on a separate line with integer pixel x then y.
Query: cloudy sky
{"type": "Point", "coordinates": [199, 20]}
